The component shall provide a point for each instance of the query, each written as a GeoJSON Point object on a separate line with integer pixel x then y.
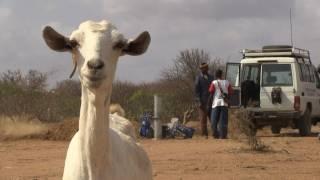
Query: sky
{"type": "Point", "coordinates": [220, 27]}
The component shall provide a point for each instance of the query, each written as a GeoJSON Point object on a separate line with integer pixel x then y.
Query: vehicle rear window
{"type": "Point", "coordinates": [276, 75]}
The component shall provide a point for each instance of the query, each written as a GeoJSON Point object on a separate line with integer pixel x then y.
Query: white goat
{"type": "Point", "coordinates": [119, 122]}
{"type": "Point", "coordinates": [98, 152]}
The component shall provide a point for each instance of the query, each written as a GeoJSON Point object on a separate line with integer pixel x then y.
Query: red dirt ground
{"type": "Point", "coordinates": [289, 157]}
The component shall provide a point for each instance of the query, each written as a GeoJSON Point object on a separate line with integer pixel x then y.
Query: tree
{"type": "Point", "coordinates": [22, 95]}
{"type": "Point", "coordinates": [36, 81]}
{"type": "Point", "coordinates": [68, 88]}
{"type": "Point", "coordinates": [186, 67]}
{"type": "Point", "coordinates": [179, 79]}
{"type": "Point", "coordinates": [121, 92]}
{"type": "Point", "coordinates": [65, 100]}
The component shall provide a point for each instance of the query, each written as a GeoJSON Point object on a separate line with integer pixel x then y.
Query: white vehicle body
{"type": "Point", "coordinates": [278, 83]}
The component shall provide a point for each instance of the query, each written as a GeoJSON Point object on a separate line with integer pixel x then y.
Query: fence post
{"type": "Point", "coordinates": [157, 121]}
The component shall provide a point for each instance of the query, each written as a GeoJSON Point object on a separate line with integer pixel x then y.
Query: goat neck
{"type": "Point", "coordinates": [94, 132]}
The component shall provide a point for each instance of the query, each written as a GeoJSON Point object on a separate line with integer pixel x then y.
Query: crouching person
{"type": "Point", "coordinates": [220, 90]}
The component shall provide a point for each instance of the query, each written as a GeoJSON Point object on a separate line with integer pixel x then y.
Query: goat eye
{"type": "Point", "coordinates": [74, 43]}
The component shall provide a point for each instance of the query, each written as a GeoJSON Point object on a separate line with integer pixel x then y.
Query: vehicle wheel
{"type": "Point", "coordinates": [305, 123]}
{"type": "Point", "coordinates": [275, 129]}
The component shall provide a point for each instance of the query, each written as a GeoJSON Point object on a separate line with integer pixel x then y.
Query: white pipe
{"type": "Point", "coordinates": [157, 121]}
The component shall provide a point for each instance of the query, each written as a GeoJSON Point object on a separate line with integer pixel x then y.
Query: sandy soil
{"type": "Point", "coordinates": [290, 157]}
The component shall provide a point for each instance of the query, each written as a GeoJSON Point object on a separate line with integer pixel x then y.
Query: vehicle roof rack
{"type": "Point", "coordinates": [276, 51]}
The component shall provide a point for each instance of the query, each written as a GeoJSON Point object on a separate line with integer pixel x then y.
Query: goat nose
{"type": "Point", "coordinates": [95, 65]}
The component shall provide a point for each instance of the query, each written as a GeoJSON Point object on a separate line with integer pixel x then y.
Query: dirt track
{"type": "Point", "coordinates": [290, 157]}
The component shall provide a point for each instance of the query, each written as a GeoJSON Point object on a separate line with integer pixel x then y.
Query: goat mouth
{"type": "Point", "coordinates": [93, 81]}
{"type": "Point", "coordinates": [94, 78]}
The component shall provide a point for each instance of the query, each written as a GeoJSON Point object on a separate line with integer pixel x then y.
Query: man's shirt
{"type": "Point", "coordinates": [217, 88]}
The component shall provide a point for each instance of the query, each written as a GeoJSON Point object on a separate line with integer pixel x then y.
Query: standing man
{"type": "Point", "coordinates": [221, 90]}
{"type": "Point", "coordinates": [202, 84]}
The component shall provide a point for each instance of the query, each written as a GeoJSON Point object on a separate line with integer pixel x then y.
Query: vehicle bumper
{"type": "Point", "coordinates": [274, 117]}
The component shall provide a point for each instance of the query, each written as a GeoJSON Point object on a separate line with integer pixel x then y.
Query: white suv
{"type": "Point", "coordinates": [279, 85]}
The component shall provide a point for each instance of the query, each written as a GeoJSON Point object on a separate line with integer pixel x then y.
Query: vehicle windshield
{"type": "Point", "coordinates": [276, 75]}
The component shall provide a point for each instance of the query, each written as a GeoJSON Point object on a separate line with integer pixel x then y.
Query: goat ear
{"type": "Point", "coordinates": [139, 45]}
{"type": "Point", "coordinates": [56, 41]}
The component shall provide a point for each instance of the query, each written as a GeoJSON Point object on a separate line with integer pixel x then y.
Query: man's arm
{"type": "Point", "coordinates": [197, 89]}
{"type": "Point", "coordinates": [212, 88]}
{"type": "Point", "coordinates": [230, 90]}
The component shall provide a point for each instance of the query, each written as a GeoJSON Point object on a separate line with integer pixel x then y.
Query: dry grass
{"type": "Point", "coordinates": [21, 127]}
{"type": "Point", "coordinates": [63, 131]}
{"type": "Point", "coordinates": [241, 126]}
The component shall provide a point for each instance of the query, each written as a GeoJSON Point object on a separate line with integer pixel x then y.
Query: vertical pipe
{"type": "Point", "coordinates": [157, 122]}
{"type": "Point", "coordinates": [291, 29]}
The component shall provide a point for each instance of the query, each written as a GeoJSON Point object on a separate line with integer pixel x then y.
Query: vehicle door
{"type": "Point", "coordinates": [250, 84]}
{"type": "Point", "coordinates": [316, 107]}
{"type": "Point", "coordinates": [277, 75]}
{"type": "Point", "coordinates": [233, 76]}
{"type": "Point", "coordinates": [308, 89]}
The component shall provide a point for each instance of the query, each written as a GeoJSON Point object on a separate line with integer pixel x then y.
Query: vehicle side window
{"type": "Point", "coordinates": [232, 73]}
{"type": "Point", "coordinates": [302, 77]}
{"type": "Point", "coordinates": [317, 79]}
{"type": "Point", "coordinates": [311, 70]}
{"type": "Point", "coordinates": [306, 73]}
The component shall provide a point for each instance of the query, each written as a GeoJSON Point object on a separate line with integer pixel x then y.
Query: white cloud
{"type": "Point", "coordinates": [5, 14]}
{"type": "Point", "coordinates": [221, 28]}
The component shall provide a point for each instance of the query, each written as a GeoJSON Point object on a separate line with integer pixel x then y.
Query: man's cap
{"type": "Point", "coordinates": [203, 65]}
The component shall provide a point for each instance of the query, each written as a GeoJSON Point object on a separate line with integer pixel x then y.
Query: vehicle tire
{"type": "Point", "coordinates": [275, 129]}
{"type": "Point", "coordinates": [305, 123]}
